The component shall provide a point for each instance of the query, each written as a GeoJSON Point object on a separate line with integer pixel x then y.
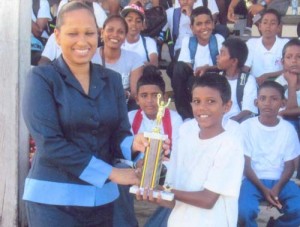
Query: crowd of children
{"type": "Point", "coordinates": [235, 135]}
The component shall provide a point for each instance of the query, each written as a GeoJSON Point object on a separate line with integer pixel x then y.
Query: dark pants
{"type": "Point", "coordinates": [182, 81]}
{"type": "Point", "coordinates": [68, 216]}
{"type": "Point", "coordinates": [159, 218]}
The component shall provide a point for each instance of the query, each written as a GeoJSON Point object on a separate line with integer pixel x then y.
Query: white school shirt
{"type": "Point", "coordinates": [138, 47]}
{"type": "Point", "coordinates": [281, 80]}
{"type": "Point", "coordinates": [202, 56]}
{"type": "Point", "coordinates": [97, 8]}
{"type": "Point", "coordinates": [184, 27]}
{"type": "Point", "coordinates": [250, 94]}
{"type": "Point", "coordinates": [261, 60]}
{"type": "Point", "coordinates": [269, 147]}
{"type": "Point", "coordinates": [214, 164]}
{"type": "Point", "coordinates": [128, 62]}
{"type": "Point", "coordinates": [211, 5]}
{"type": "Point", "coordinates": [44, 12]}
{"type": "Point", "coordinates": [52, 50]}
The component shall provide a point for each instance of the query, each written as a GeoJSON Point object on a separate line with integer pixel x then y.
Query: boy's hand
{"type": "Point", "coordinates": [255, 9]}
{"type": "Point", "coordinates": [199, 71]}
{"type": "Point", "coordinates": [262, 78]}
{"type": "Point", "coordinates": [291, 78]}
{"type": "Point", "coordinates": [272, 198]}
{"type": "Point", "coordinates": [187, 10]}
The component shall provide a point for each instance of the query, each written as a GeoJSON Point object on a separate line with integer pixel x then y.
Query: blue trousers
{"type": "Point", "coordinates": [68, 216]}
{"type": "Point", "coordinates": [251, 196]}
{"type": "Point", "coordinates": [159, 218]}
{"type": "Point", "coordinates": [124, 214]}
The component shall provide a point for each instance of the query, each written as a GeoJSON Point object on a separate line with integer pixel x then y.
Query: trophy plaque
{"type": "Point", "coordinates": [153, 156]}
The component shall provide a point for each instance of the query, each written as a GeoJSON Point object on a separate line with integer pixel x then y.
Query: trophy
{"type": "Point", "coordinates": [153, 156]}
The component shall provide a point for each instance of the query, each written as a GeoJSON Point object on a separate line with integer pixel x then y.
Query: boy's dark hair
{"type": "Point", "coordinates": [272, 84]}
{"type": "Point", "coordinates": [274, 12]}
{"type": "Point", "coordinates": [151, 76]}
{"type": "Point", "coordinates": [214, 81]}
{"type": "Point", "coordinates": [199, 11]}
{"type": "Point", "coordinates": [237, 49]}
{"type": "Point", "coordinates": [72, 6]}
{"type": "Point", "coordinates": [116, 17]}
{"type": "Point", "coordinates": [292, 42]}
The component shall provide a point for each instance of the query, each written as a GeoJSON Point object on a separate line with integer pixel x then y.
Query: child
{"type": "Point", "coordinates": [271, 146]}
{"type": "Point", "coordinates": [198, 55]}
{"type": "Point", "coordinates": [149, 86]}
{"type": "Point", "coordinates": [207, 165]}
{"type": "Point", "coordinates": [291, 80]}
{"type": "Point", "coordinates": [264, 57]}
{"type": "Point", "coordinates": [231, 59]}
{"type": "Point", "coordinates": [145, 46]}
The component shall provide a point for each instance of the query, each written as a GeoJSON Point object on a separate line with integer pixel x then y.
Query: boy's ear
{"type": "Point", "coordinates": [227, 106]}
{"type": "Point", "coordinates": [255, 102]}
{"type": "Point", "coordinates": [57, 36]}
{"type": "Point", "coordinates": [283, 104]}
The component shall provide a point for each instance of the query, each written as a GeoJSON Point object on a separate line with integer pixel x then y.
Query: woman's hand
{"type": "Point", "coordinates": [125, 176]}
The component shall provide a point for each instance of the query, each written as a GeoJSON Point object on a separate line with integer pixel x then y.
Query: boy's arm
{"type": "Point", "coordinates": [242, 115]}
{"type": "Point", "coordinates": [250, 174]}
{"type": "Point", "coordinates": [286, 175]}
{"type": "Point", "coordinates": [204, 199]}
{"type": "Point", "coordinates": [199, 71]}
{"type": "Point", "coordinates": [262, 78]}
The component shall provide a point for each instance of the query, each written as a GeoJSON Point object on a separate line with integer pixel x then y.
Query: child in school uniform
{"type": "Point", "coordinates": [142, 120]}
{"type": "Point", "coordinates": [264, 58]}
{"type": "Point", "coordinates": [271, 147]}
{"type": "Point", "coordinates": [206, 167]}
{"type": "Point", "coordinates": [231, 60]}
{"type": "Point", "coordinates": [134, 15]}
{"type": "Point", "coordinates": [198, 55]}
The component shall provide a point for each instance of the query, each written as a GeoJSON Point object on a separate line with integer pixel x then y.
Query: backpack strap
{"type": "Point", "coordinates": [166, 120]}
{"type": "Point", "coordinates": [145, 47]}
{"type": "Point", "coordinates": [176, 20]}
{"type": "Point", "coordinates": [35, 7]}
{"type": "Point", "coordinates": [213, 48]}
{"type": "Point", "coordinates": [193, 43]}
{"type": "Point", "coordinates": [205, 3]}
{"type": "Point", "coordinates": [241, 83]}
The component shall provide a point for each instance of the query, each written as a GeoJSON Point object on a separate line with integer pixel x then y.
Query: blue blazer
{"type": "Point", "coordinates": [77, 135]}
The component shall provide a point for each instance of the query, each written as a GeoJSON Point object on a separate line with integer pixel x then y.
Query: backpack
{"type": "Point", "coordinates": [213, 48]}
{"type": "Point", "coordinates": [156, 19]}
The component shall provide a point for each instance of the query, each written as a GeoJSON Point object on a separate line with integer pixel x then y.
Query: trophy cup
{"type": "Point", "coordinates": [153, 157]}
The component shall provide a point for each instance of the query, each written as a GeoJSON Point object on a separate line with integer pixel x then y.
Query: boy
{"type": "Point", "coordinates": [264, 57]}
{"type": "Point", "coordinates": [149, 86]}
{"type": "Point", "coordinates": [144, 46]}
{"type": "Point", "coordinates": [271, 146]}
{"type": "Point", "coordinates": [198, 55]}
{"type": "Point", "coordinates": [206, 168]}
{"type": "Point", "coordinates": [231, 59]}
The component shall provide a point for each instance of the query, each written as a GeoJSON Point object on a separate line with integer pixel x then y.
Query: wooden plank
{"type": "Point", "coordinates": [290, 19]}
{"type": "Point", "coordinates": [14, 61]}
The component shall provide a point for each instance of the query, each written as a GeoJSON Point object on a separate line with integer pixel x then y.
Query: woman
{"type": "Point", "coordinates": [76, 113]}
{"type": "Point", "coordinates": [127, 63]}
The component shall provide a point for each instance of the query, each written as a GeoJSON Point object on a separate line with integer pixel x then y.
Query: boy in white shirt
{"type": "Point", "coordinates": [264, 58]}
{"type": "Point", "coordinates": [149, 85]}
{"type": "Point", "coordinates": [271, 147]}
{"type": "Point", "coordinates": [207, 165]}
{"type": "Point", "coordinates": [231, 60]}
{"type": "Point", "coordinates": [198, 54]}
{"type": "Point", "coordinates": [144, 46]}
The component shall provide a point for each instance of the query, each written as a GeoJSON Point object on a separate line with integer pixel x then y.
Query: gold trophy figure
{"type": "Point", "coordinates": [153, 155]}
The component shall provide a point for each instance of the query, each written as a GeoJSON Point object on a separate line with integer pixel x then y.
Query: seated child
{"type": "Point", "coordinates": [149, 85]}
{"type": "Point", "coordinates": [264, 58]}
{"type": "Point", "coordinates": [271, 146]}
{"type": "Point", "coordinates": [145, 46]}
{"type": "Point", "coordinates": [206, 167]}
{"type": "Point", "coordinates": [231, 59]}
{"type": "Point", "coordinates": [198, 55]}
{"type": "Point", "coordinates": [290, 80]}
